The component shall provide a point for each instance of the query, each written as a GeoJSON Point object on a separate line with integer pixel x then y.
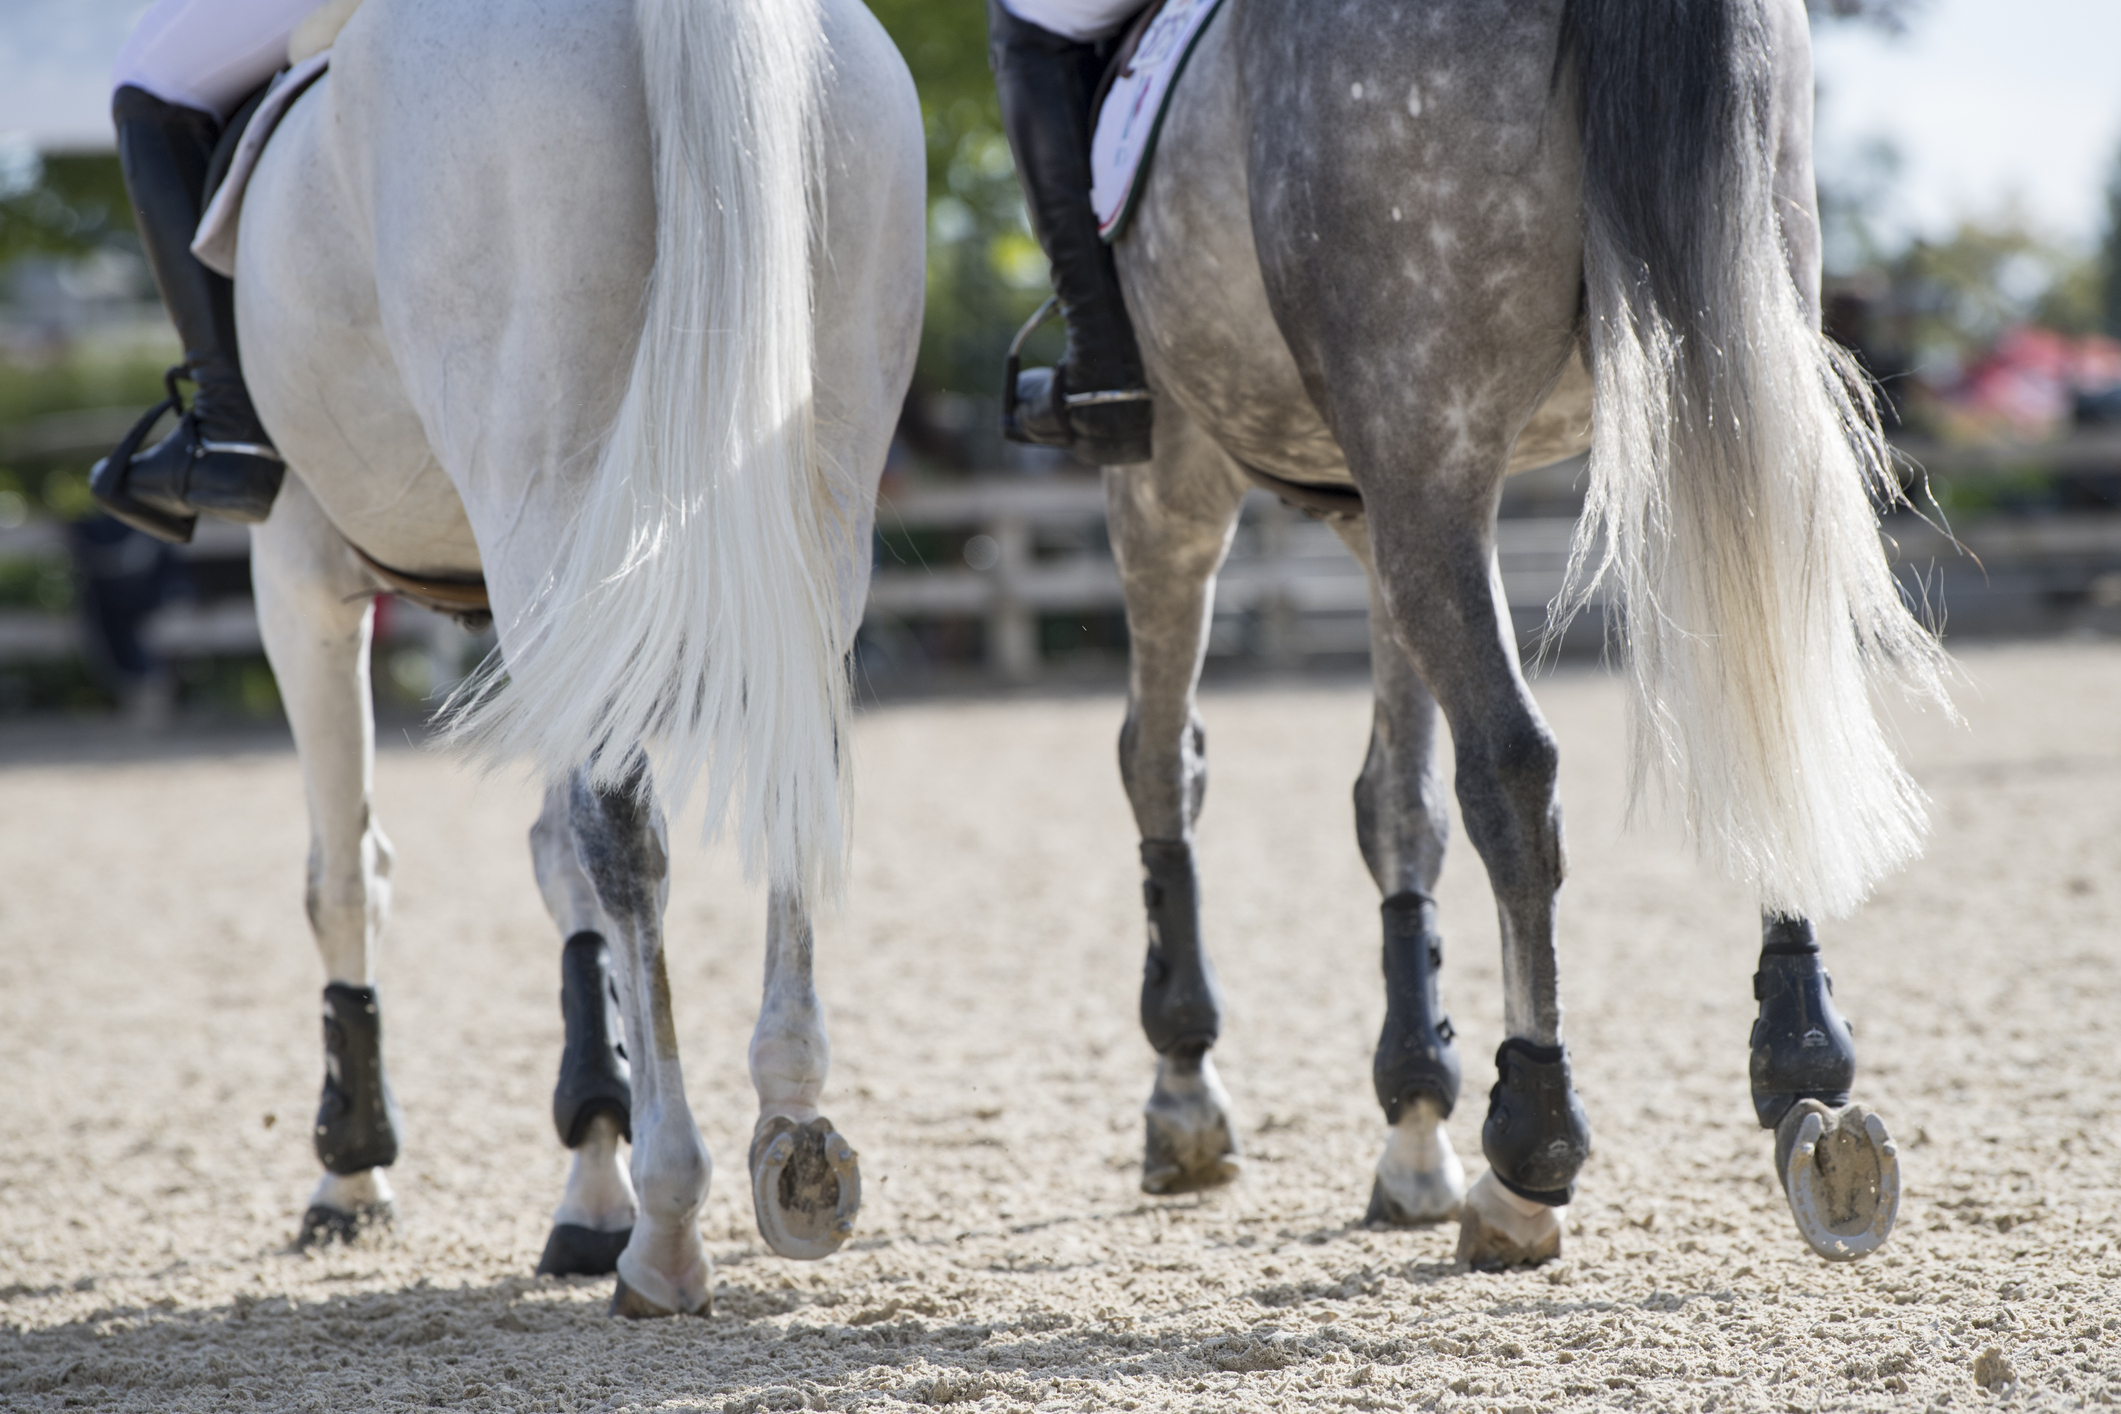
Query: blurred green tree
{"type": "Point", "coordinates": [64, 203]}
{"type": "Point", "coordinates": [985, 272]}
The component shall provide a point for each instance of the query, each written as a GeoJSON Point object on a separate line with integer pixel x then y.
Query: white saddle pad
{"type": "Point", "coordinates": [215, 243]}
{"type": "Point", "coordinates": [1134, 111]}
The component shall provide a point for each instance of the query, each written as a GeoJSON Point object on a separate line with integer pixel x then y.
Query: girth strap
{"type": "Point", "coordinates": [1310, 497]}
{"type": "Point", "coordinates": [461, 595]}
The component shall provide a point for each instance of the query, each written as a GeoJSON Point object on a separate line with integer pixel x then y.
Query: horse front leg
{"type": "Point", "coordinates": [1839, 1167]}
{"type": "Point", "coordinates": [315, 615]}
{"type": "Point", "coordinates": [1403, 825]}
{"type": "Point", "coordinates": [620, 844]}
{"type": "Point", "coordinates": [1170, 523]}
{"type": "Point", "coordinates": [805, 1183]}
{"type": "Point", "coordinates": [592, 1102]}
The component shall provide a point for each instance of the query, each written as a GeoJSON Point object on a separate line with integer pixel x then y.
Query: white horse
{"type": "Point", "coordinates": [612, 305]}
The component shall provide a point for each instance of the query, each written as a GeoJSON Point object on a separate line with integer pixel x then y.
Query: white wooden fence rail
{"type": "Point", "coordinates": [1289, 591]}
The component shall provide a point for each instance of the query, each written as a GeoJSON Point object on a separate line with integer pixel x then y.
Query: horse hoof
{"type": "Point", "coordinates": [1182, 1159]}
{"type": "Point", "coordinates": [1432, 1199]}
{"type": "Point", "coordinates": [322, 1226]}
{"type": "Point", "coordinates": [1190, 1143]}
{"type": "Point", "coordinates": [576, 1251]}
{"type": "Point", "coordinates": [1419, 1179]}
{"type": "Point", "coordinates": [1841, 1173]}
{"type": "Point", "coordinates": [1497, 1229]}
{"type": "Point", "coordinates": [631, 1305]}
{"type": "Point", "coordinates": [806, 1187]}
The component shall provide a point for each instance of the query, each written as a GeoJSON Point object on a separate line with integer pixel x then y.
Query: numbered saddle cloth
{"type": "Point", "coordinates": [1133, 109]}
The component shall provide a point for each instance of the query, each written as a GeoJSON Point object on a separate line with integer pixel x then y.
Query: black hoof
{"type": "Point", "coordinates": [576, 1251]}
{"type": "Point", "coordinates": [322, 1226]}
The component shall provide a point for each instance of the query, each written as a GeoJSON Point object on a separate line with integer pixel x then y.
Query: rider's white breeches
{"type": "Point", "coordinates": [208, 54]}
{"type": "Point", "coordinates": [1077, 19]}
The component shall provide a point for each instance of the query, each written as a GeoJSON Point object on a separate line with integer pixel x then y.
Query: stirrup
{"type": "Point", "coordinates": [1013, 365]}
{"type": "Point", "coordinates": [110, 480]}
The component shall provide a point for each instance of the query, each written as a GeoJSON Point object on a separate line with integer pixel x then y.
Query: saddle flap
{"type": "Point", "coordinates": [1131, 111]}
{"type": "Point", "coordinates": [215, 243]}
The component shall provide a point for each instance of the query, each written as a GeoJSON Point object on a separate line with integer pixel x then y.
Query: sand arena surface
{"type": "Point", "coordinates": [159, 1061]}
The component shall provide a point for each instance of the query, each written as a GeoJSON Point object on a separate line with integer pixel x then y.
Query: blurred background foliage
{"type": "Point", "coordinates": [985, 272]}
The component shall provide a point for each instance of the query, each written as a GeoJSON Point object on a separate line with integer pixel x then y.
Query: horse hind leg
{"type": "Point", "coordinates": [592, 1101]}
{"type": "Point", "coordinates": [618, 839]}
{"type": "Point", "coordinates": [1839, 1166]}
{"type": "Point", "coordinates": [806, 1182]}
{"type": "Point", "coordinates": [314, 617]}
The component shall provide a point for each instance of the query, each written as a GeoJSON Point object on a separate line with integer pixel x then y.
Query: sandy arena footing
{"type": "Point", "coordinates": [159, 1062]}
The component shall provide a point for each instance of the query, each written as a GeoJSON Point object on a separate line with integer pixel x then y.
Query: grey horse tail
{"type": "Point", "coordinates": [1736, 453]}
{"type": "Point", "coordinates": [1675, 103]}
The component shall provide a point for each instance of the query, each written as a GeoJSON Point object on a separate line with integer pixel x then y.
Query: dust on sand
{"type": "Point", "coordinates": [159, 1060]}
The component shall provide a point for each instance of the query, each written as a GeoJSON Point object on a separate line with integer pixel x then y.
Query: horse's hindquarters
{"type": "Point", "coordinates": [317, 360]}
{"type": "Point", "coordinates": [1192, 281]}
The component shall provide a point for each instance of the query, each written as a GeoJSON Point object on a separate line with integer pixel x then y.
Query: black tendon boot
{"type": "Point", "coordinates": [357, 1119]}
{"type": "Point", "coordinates": [1097, 402]}
{"type": "Point", "coordinates": [218, 460]}
{"type": "Point", "coordinates": [1802, 1049]}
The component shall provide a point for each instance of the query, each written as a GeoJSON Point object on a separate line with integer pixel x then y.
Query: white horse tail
{"type": "Point", "coordinates": [1737, 451]}
{"type": "Point", "coordinates": [697, 608]}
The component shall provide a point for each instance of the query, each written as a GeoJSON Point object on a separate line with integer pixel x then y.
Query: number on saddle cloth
{"type": "Point", "coordinates": [1130, 105]}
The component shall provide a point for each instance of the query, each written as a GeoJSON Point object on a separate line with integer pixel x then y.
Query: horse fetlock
{"type": "Point", "coordinates": [788, 1070]}
{"type": "Point", "coordinates": [1801, 1045]}
{"type": "Point", "coordinates": [1536, 1135]}
{"type": "Point", "coordinates": [1419, 1178]}
{"type": "Point", "coordinates": [806, 1186]}
{"type": "Point", "coordinates": [1191, 1137]}
{"type": "Point", "coordinates": [671, 1175]}
{"type": "Point", "coordinates": [357, 1119]}
{"type": "Point", "coordinates": [596, 1078]}
{"type": "Point", "coordinates": [1181, 1003]}
{"type": "Point", "coordinates": [1416, 1060]}
{"type": "Point", "coordinates": [1498, 1228]}
{"type": "Point", "coordinates": [599, 1194]}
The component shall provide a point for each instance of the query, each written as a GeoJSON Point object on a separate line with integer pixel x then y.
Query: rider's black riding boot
{"type": "Point", "coordinates": [218, 460]}
{"type": "Point", "coordinates": [1097, 402]}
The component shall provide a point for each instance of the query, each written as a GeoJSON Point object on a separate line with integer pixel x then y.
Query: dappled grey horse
{"type": "Point", "coordinates": [600, 313]}
{"type": "Point", "coordinates": [1390, 251]}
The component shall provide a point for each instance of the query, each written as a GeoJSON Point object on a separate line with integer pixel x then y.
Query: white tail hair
{"type": "Point", "coordinates": [1735, 459]}
{"type": "Point", "coordinates": [695, 610]}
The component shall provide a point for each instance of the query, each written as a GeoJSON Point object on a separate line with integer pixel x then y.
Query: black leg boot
{"type": "Point", "coordinates": [1097, 403]}
{"type": "Point", "coordinates": [218, 461]}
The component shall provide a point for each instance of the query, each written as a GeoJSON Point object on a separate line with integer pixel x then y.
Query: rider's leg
{"type": "Point", "coordinates": [1097, 402]}
{"type": "Point", "coordinates": [184, 69]}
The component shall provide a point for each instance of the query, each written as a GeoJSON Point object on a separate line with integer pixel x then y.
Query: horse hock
{"type": "Point", "coordinates": [595, 1084]}
{"type": "Point", "coordinates": [806, 1186]}
{"type": "Point", "coordinates": [1536, 1138]}
{"type": "Point", "coordinates": [1417, 1074]}
{"type": "Point", "coordinates": [1838, 1164]}
{"type": "Point", "coordinates": [357, 1120]}
{"type": "Point", "coordinates": [1190, 1141]}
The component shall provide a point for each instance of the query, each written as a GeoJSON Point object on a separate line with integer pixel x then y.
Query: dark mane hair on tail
{"type": "Point", "coordinates": [1670, 93]}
